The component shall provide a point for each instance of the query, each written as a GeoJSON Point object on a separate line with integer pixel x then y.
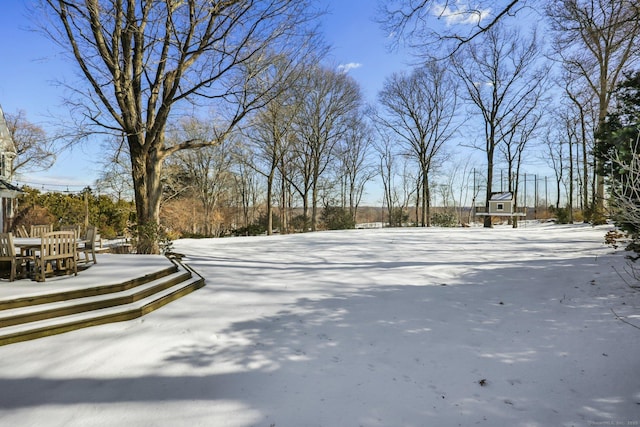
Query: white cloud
{"type": "Point", "coordinates": [461, 13]}
{"type": "Point", "coordinates": [345, 68]}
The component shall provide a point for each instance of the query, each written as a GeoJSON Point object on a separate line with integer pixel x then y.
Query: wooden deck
{"type": "Point", "coordinates": [117, 288]}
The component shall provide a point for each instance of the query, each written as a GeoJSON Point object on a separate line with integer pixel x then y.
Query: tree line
{"type": "Point", "coordinates": [231, 109]}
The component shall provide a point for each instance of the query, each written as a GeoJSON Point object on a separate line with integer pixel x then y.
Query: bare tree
{"type": "Point", "coordinates": [268, 137]}
{"type": "Point", "coordinates": [146, 61]}
{"type": "Point", "coordinates": [596, 40]}
{"type": "Point", "coordinates": [207, 170]}
{"type": "Point", "coordinates": [354, 166]}
{"type": "Point", "coordinates": [460, 178]}
{"type": "Point", "coordinates": [416, 22]}
{"type": "Point", "coordinates": [565, 143]}
{"type": "Point", "coordinates": [516, 141]}
{"type": "Point", "coordinates": [582, 105]}
{"type": "Point", "coordinates": [555, 156]}
{"type": "Point", "coordinates": [502, 81]}
{"type": "Point", "coordinates": [34, 150]}
{"type": "Point", "coordinates": [408, 189]}
{"type": "Point", "coordinates": [297, 169]}
{"type": "Point", "coordinates": [420, 109]}
{"type": "Point", "coordinates": [287, 169]}
{"type": "Point", "coordinates": [327, 102]}
{"type": "Point", "coordinates": [115, 171]}
{"type": "Point", "coordinates": [269, 133]}
{"type": "Point", "coordinates": [246, 193]}
{"type": "Point", "coordinates": [387, 170]}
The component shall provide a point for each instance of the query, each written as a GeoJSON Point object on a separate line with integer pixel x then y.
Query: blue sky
{"type": "Point", "coordinates": [357, 39]}
{"type": "Point", "coordinates": [32, 64]}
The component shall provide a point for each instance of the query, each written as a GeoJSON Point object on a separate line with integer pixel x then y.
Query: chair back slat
{"type": "Point", "coordinates": [57, 247]}
{"type": "Point", "coordinates": [7, 250]}
{"type": "Point", "coordinates": [57, 243]}
{"type": "Point", "coordinates": [39, 230]}
{"type": "Point", "coordinates": [75, 228]}
{"type": "Point", "coordinates": [21, 231]}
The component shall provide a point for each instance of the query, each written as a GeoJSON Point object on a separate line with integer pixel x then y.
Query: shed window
{"type": "Point", "coordinates": [500, 206]}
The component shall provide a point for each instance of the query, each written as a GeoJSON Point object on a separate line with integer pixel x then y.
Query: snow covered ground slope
{"type": "Point", "coordinates": [391, 327]}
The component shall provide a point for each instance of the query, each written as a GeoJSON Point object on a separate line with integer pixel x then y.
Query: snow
{"type": "Point", "coordinates": [379, 327]}
{"type": "Point", "coordinates": [102, 273]}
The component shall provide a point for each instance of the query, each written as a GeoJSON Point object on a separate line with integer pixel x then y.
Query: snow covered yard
{"type": "Point", "coordinates": [391, 327]}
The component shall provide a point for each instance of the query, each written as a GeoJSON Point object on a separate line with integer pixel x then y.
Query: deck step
{"type": "Point", "coordinates": [8, 304]}
{"type": "Point", "coordinates": [127, 302]}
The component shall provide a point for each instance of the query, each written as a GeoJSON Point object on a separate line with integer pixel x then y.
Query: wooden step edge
{"type": "Point", "coordinates": [90, 303]}
{"type": "Point", "coordinates": [188, 267]}
{"type": "Point", "coordinates": [86, 292]}
{"type": "Point", "coordinates": [173, 278]}
{"type": "Point", "coordinates": [112, 314]}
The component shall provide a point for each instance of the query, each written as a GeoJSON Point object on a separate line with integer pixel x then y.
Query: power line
{"type": "Point", "coordinates": [54, 188]}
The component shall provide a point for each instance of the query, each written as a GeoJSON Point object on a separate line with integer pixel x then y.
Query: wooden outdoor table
{"type": "Point", "coordinates": [27, 245]}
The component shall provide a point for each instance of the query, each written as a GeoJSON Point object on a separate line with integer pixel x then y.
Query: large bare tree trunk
{"type": "Point", "coordinates": [426, 201]}
{"type": "Point", "coordinates": [269, 202]}
{"type": "Point", "coordinates": [490, 151]}
{"type": "Point", "coordinates": [146, 172]}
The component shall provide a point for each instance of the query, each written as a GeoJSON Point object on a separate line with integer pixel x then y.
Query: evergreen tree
{"type": "Point", "coordinates": [619, 155]}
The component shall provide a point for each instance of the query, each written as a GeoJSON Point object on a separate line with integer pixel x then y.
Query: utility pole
{"type": "Point", "coordinates": [86, 208]}
{"type": "Point", "coordinates": [473, 202]}
{"type": "Point", "coordinates": [535, 197]}
{"type": "Point", "coordinates": [525, 197]}
{"type": "Point", "coordinates": [546, 194]}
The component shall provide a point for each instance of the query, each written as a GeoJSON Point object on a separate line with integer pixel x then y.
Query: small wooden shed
{"type": "Point", "coordinates": [500, 204]}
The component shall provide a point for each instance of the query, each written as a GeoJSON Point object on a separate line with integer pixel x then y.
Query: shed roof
{"type": "Point", "coordinates": [8, 190]}
{"type": "Point", "coordinates": [504, 197]}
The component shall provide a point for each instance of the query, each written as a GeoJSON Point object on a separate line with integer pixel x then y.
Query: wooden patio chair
{"type": "Point", "coordinates": [88, 250]}
{"type": "Point", "coordinates": [77, 228]}
{"type": "Point", "coordinates": [18, 263]}
{"type": "Point", "coordinates": [21, 231]}
{"type": "Point", "coordinates": [57, 252]}
{"type": "Point", "coordinates": [39, 230]}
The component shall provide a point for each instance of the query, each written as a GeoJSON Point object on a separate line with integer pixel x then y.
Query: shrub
{"type": "Point", "coordinates": [110, 216]}
{"type": "Point", "coordinates": [254, 229]}
{"type": "Point", "coordinates": [337, 218]}
{"type": "Point", "coordinates": [398, 217]}
{"type": "Point", "coordinates": [300, 223]}
{"type": "Point", "coordinates": [444, 219]}
{"type": "Point", "coordinates": [562, 215]}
